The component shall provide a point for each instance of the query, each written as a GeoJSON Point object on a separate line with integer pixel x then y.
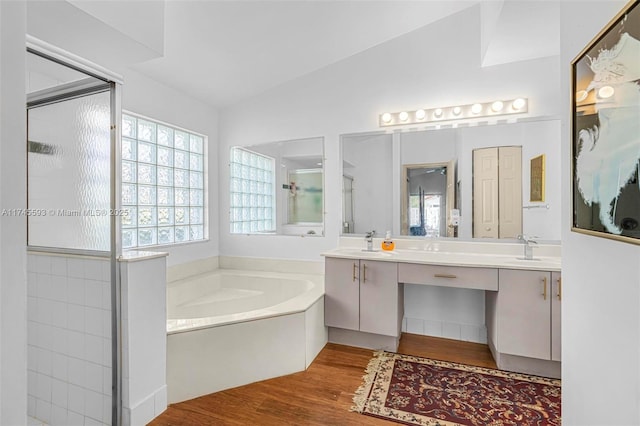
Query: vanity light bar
{"type": "Point", "coordinates": [460, 112]}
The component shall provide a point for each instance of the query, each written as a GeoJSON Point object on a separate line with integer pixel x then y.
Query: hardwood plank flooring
{"type": "Point", "coordinates": [321, 395]}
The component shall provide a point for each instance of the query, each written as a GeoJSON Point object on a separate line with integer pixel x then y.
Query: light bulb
{"type": "Point", "coordinates": [581, 95]}
{"type": "Point", "coordinates": [497, 106]}
{"type": "Point", "coordinates": [605, 92]}
{"type": "Point", "coordinates": [457, 110]}
{"type": "Point", "coordinates": [437, 113]}
{"type": "Point", "coordinates": [403, 116]}
{"type": "Point", "coordinates": [476, 108]}
{"type": "Point", "coordinates": [420, 114]}
{"type": "Point", "coordinates": [518, 104]}
{"type": "Point", "coordinates": [386, 117]}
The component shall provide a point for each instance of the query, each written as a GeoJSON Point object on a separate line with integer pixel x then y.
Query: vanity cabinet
{"type": "Point", "coordinates": [528, 314]}
{"type": "Point", "coordinates": [449, 276]}
{"type": "Point", "coordinates": [556, 316]}
{"type": "Point", "coordinates": [362, 295]}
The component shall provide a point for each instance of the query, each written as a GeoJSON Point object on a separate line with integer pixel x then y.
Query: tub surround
{"type": "Point", "coordinates": [300, 303]}
{"type": "Point", "coordinates": [189, 269]}
{"type": "Point", "coordinates": [364, 297]}
{"type": "Point", "coordinates": [210, 354]}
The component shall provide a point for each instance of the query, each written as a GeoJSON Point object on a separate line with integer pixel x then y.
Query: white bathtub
{"type": "Point", "coordinates": [232, 327]}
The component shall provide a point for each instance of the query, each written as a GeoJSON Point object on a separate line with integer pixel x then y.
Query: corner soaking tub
{"type": "Point", "coordinates": [228, 327]}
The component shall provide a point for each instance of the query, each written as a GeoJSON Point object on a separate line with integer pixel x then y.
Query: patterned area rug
{"type": "Point", "coordinates": [418, 391]}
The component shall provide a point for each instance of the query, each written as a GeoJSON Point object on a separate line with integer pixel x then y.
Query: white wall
{"type": "Point", "coordinates": [601, 279]}
{"type": "Point", "coordinates": [141, 95]}
{"type": "Point", "coordinates": [13, 195]}
{"type": "Point", "coordinates": [405, 73]}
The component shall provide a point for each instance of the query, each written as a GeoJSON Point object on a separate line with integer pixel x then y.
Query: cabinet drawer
{"type": "Point", "coordinates": [448, 276]}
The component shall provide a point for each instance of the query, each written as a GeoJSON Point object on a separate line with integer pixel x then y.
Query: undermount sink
{"type": "Point", "coordinates": [521, 261]}
{"type": "Point", "coordinates": [364, 252]}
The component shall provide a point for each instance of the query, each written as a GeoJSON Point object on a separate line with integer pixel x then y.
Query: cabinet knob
{"type": "Point", "coordinates": [354, 273]}
{"type": "Point", "coordinates": [544, 290]}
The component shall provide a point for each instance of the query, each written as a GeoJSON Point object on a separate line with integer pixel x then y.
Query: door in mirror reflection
{"type": "Point", "coordinates": [429, 197]}
{"type": "Point", "coordinates": [497, 192]}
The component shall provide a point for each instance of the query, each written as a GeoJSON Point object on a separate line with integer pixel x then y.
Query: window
{"type": "Point", "coordinates": [252, 192]}
{"type": "Point", "coordinates": [162, 183]}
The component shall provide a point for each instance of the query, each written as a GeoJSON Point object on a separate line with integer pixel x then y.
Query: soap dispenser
{"type": "Point", "coordinates": [387, 243]}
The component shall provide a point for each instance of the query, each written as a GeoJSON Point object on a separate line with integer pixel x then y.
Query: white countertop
{"type": "Point", "coordinates": [467, 254]}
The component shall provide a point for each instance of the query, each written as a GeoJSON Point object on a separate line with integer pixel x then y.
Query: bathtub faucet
{"type": "Point", "coordinates": [369, 238]}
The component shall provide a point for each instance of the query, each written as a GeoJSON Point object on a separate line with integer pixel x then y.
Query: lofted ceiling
{"type": "Point", "coordinates": [225, 51]}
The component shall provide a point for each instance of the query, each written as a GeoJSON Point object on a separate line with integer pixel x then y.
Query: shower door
{"type": "Point", "coordinates": [73, 242]}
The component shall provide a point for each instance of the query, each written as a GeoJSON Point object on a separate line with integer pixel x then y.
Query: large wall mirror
{"type": "Point", "coordinates": [278, 188]}
{"type": "Point", "coordinates": [419, 182]}
{"type": "Point", "coordinates": [367, 177]}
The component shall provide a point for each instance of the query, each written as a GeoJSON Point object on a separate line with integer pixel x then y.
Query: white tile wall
{"type": "Point", "coordinates": [450, 330]}
{"type": "Point", "coordinates": [69, 340]}
{"type": "Point", "coordinates": [445, 312]}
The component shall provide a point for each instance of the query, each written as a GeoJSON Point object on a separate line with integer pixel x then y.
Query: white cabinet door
{"type": "Point", "coordinates": [379, 297]}
{"type": "Point", "coordinates": [342, 293]}
{"type": "Point", "coordinates": [524, 317]}
{"type": "Point", "coordinates": [556, 316]}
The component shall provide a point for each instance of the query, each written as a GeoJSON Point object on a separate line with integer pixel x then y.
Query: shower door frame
{"type": "Point", "coordinates": [113, 84]}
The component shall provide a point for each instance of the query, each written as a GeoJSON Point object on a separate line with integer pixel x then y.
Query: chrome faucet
{"type": "Point", "coordinates": [369, 238]}
{"type": "Point", "coordinates": [528, 249]}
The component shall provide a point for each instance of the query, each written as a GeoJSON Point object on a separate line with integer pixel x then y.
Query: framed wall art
{"type": "Point", "coordinates": [606, 131]}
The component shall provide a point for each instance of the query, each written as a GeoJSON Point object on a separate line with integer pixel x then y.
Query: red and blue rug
{"type": "Point", "coordinates": [419, 391]}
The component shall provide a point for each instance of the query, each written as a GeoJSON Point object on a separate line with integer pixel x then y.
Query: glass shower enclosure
{"type": "Point", "coordinates": [74, 351]}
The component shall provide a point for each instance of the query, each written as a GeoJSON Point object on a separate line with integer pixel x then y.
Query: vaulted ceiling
{"type": "Point", "coordinates": [225, 51]}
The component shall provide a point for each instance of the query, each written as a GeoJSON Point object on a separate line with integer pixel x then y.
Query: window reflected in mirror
{"type": "Point", "coordinates": [277, 188]}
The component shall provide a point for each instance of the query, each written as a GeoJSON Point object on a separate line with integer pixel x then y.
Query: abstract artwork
{"type": "Point", "coordinates": [606, 131]}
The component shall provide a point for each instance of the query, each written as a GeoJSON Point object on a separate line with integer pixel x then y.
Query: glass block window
{"type": "Point", "coordinates": [162, 183]}
{"type": "Point", "coordinates": [252, 188]}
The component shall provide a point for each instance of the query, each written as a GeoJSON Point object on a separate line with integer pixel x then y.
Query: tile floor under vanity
{"type": "Point", "coordinates": [322, 395]}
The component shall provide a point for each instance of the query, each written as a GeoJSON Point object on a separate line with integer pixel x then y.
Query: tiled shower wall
{"type": "Point", "coordinates": [69, 340]}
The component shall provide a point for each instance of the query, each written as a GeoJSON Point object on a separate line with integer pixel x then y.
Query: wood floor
{"type": "Point", "coordinates": [319, 396]}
